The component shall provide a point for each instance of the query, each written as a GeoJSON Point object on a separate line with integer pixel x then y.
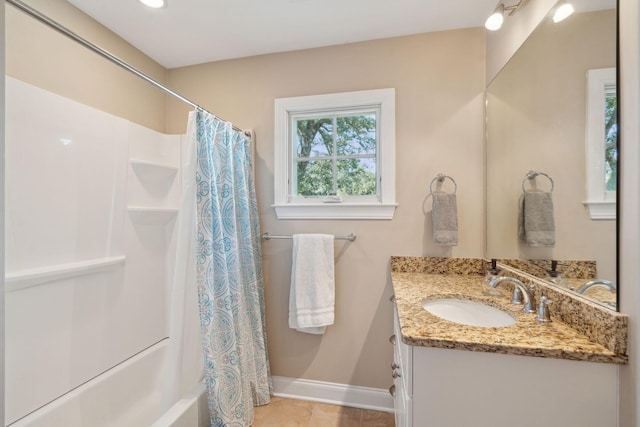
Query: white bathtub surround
{"type": "Point", "coordinates": [229, 272]}
{"type": "Point", "coordinates": [190, 411]}
{"type": "Point", "coordinates": [124, 396]}
{"type": "Point", "coordinates": [38, 276]}
{"type": "Point", "coordinates": [91, 208]}
{"type": "Point", "coordinates": [185, 356]}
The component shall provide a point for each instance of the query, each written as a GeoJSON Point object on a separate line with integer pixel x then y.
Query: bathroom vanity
{"type": "Point", "coordinates": [526, 374]}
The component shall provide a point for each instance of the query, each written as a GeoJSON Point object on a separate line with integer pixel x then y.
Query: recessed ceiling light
{"type": "Point", "coordinates": [156, 4]}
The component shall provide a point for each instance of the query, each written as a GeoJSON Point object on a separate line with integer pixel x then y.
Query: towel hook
{"type": "Point", "coordinates": [440, 178]}
{"type": "Point", "coordinates": [531, 175]}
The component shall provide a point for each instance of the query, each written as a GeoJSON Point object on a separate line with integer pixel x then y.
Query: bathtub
{"type": "Point", "coordinates": [128, 395]}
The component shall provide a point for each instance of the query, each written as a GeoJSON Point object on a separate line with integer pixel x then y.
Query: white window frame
{"type": "Point", "coordinates": [381, 206]}
{"type": "Point", "coordinates": [600, 202]}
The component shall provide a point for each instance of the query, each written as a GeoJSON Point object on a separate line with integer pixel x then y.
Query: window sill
{"type": "Point", "coordinates": [601, 209]}
{"type": "Point", "coordinates": [336, 211]}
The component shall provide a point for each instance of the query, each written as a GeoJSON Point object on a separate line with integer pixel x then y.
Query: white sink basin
{"type": "Point", "coordinates": [470, 313]}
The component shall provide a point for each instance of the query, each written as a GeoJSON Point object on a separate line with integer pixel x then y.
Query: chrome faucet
{"type": "Point", "coordinates": [520, 288]}
{"type": "Point", "coordinates": [582, 289]}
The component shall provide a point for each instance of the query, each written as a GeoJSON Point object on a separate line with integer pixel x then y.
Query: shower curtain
{"type": "Point", "coordinates": [229, 272]}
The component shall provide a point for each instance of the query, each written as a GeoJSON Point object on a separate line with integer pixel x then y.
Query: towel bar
{"type": "Point", "coordinates": [441, 177]}
{"type": "Point", "coordinates": [266, 236]}
{"type": "Point", "coordinates": [532, 175]}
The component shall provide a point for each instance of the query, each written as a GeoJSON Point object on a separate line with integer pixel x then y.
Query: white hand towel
{"type": "Point", "coordinates": [312, 293]}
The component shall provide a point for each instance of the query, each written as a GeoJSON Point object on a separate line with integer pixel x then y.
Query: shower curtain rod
{"type": "Point", "coordinates": [105, 54]}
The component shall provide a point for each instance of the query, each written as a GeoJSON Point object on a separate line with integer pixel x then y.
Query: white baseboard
{"type": "Point", "coordinates": [338, 394]}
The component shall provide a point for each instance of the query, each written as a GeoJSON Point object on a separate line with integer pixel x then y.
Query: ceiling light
{"type": "Point", "coordinates": [563, 11]}
{"type": "Point", "coordinates": [494, 22]}
{"type": "Point", "coordinates": [156, 4]}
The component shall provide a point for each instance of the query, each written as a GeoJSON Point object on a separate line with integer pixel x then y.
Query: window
{"type": "Point", "coordinates": [335, 156]}
{"type": "Point", "coordinates": [601, 143]}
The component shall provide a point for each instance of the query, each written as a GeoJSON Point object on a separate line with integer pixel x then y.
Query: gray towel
{"type": "Point", "coordinates": [536, 226]}
{"type": "Point", "coordinates": [444, 215]}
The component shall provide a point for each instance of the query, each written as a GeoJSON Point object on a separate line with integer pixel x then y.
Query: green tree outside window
{"type": "Point", "coordinates": [336, 155]}
{"type": "Point", "coordinates": [611, 142]}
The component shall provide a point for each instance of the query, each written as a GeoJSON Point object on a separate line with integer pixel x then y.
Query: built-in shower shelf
{"type": "Point", "coordinates": [38, 276]}
{"type": "Point", "coordinates": [153, 216]}
{"type": "Point", "coordinates": [151, 171]}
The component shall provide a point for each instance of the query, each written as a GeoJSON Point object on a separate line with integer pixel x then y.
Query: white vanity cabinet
{"type": "Point", "coordinates": [437, 387]}
{"type": "Point", "coordinates": [402, 378]}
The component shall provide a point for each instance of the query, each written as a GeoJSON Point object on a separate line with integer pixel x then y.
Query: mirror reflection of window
{"type": "Point", "coordinates": [601, 143]}
{"type": "Point", "coordinates": [611, 138]}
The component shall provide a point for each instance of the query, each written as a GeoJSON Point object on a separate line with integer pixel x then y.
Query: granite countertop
{"type": "Point", "coordinates": [526, 337]}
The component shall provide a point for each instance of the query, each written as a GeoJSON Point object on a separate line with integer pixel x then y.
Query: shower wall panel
{"type": "Point", "coordinates": [86, 276]}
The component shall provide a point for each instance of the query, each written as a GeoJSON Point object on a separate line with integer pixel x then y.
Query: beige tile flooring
{"type": "Point", "coordinates": [301, 413]}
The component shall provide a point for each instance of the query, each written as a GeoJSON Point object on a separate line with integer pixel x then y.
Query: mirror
{"type": "Point", "coordinates": [547, 112]}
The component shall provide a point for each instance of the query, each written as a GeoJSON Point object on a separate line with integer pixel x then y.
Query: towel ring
{"type": "Point", "coordinates": [441, 177]}
{"type": "Point", "coordinates": [532, 175]}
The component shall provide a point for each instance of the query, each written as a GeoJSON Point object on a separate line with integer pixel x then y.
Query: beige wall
{"type": "Point", "coordinates": [42, 57]}
{"type": "Point", "coordinates": [536, 121]}
{"type": "Point", "coordinates": [439, 82]}
{"type": "Point", "coordinates": [502, 44]}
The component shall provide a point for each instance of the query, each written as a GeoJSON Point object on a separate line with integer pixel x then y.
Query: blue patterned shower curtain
{"type": "Point", "coordinates": [229, 271]}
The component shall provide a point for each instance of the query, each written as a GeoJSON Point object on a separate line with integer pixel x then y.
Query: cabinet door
{"type": "Point", "coordinates": [401, 372]}
{"type": "Point", "coordinates": [400, 403]}
{"type": "Point", "coordinates": [466, 388]}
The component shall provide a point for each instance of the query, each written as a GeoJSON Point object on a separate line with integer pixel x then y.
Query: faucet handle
{"type": "Point", "coordinates": [529, 308]}
{"type": "Point", "coordinates": [544, 316]}
{"type": "Point", "coordinates": [516, 299]}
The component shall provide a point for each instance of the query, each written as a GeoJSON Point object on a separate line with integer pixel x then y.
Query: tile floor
{"type": "Point", "coordinates": [301, 413]}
